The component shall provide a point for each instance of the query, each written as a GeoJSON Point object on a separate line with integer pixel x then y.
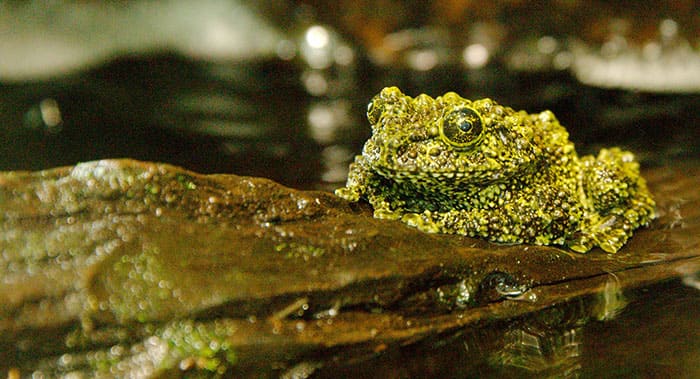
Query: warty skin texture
{"type": "Point", "coordinates": [477, 168]}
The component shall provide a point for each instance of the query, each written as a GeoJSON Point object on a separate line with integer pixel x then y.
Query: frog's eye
{"type": "Point", "coordinates": [462, 127]}
{"type": "Point", "coordinates": [374, 110]}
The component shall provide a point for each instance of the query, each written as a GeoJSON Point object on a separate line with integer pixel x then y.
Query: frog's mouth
{"type": "Point", "coordinates": [479, 175]}
{"type": "Point", "coordinates": [429, 160]}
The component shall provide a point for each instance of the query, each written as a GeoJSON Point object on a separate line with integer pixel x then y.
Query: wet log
{"type": "Point", "coordinates": [122, 267]}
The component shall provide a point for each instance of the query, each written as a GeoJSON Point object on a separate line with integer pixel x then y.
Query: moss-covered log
{"type": "Point", "coordinates": [123, 267]}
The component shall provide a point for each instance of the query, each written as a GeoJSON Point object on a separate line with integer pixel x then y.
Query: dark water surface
{"type": "Point", "coordinates": [656, 335]}
{"type": "Point", "coordinates": [256, 119]}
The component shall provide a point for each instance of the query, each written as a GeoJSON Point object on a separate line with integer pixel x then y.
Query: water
{"type": "Point", "coordinates": [656, 335]}
{"type": "Point", "coordinates": [259, 119]}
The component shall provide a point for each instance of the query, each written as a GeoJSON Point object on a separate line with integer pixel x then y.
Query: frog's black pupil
{"type": "Point", "coordinates": [465, 126]}
{"type": "Point", "coordinates": [461, 127]}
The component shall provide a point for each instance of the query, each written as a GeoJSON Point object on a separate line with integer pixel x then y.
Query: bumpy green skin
{"type": "Point", "coordinates": [476, 168]}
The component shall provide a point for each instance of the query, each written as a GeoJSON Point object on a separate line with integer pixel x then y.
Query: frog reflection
{"type": "Point", "coordinates": [477, 168]}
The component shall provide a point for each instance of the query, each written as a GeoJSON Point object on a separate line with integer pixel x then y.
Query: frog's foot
{"type": "Point", "coordinates": [348, 193]}
{"type": "Point", "coordinates": [358, 177]}
{"type": "Point", "coordinates": [609, 233]}
{"type": "Point", "coordinates": [422, 221]}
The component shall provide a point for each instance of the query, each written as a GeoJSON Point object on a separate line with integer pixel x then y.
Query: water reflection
{"type": "Point", "coordinates": [611, 300]}
{"type": "Point", "coordinates": [665, 63]}
{"type": "Point", "coordinates": [45, 116]}
{"type": "Point", "coordinates": [550, 343]}
{"type": "Point", "coordinates": [547, 344]}
{"type": "Point", "coordinates": [539, 54]}
{"type": "Point", "coordinates": [548, 353]}
{"type": "Point", "coordinates": [331, 124]}
{"type": "Point", "coordinates": [692, 280]}
{"type": "Point", "coordinates": [329, 62]}
{"type": "Point", "coordinates": [603, 335]}
{"type": "Point", "coordinates": [50, 39]}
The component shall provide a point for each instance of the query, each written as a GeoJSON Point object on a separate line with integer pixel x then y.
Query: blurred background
{"type": "Point", "coordinates": [279, 88]}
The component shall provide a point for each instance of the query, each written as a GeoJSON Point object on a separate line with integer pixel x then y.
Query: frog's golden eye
{"type": "Point", "coordinates": [462, 127]}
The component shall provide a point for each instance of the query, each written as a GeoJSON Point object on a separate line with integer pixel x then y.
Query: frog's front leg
{"type": "Point", "coordinates": [619, 197]}
{"type": "Point", "coordinates": [358, 177]}
{"type": "Point", "coordinates": [364, 183]}
{"type": "Point", "coordinates": [503, 225]}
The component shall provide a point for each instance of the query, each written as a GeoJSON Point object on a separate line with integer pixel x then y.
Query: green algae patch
{"type": "Point", "coordinates": [299, 250]}
{"type": "Point", "coordinates": [139, 287]}
{"type": "Point", "coordinates": [179, 348]}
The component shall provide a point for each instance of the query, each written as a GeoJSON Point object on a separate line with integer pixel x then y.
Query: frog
{"type": "Point", "coordinates": [481, 169]}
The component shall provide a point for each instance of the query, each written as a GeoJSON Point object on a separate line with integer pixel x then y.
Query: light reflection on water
{"type": "Point", "coordinates": [657, 334]}
{"type": "Point", "coordinates": [260, 119]}
{"type": "Point", "coordinates": [249, 120]}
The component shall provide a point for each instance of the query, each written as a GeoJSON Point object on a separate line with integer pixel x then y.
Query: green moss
{"type": "Point", "coordinates": [186, 181]}
{"type": "Point", "coordinates": [204, 344]}
{"type": "Point", "coordinates": [180, 348]}
{"type": "Point", "coordinates": [299, 250]}
{"type": "Point", "coordinates": [140, 286]}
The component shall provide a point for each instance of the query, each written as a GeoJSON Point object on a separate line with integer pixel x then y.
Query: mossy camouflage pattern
{"type": "Point", "coordinates": [477, 168]}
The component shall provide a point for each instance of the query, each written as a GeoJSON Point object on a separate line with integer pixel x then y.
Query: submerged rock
{"type": "Point", "coordinates": [122, 268]}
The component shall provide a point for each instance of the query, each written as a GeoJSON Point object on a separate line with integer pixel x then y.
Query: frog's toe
{"type": "Point", "coordinates": [609, 233]}
{"type": "Point", "coordinates": [384, 212]}
{"type": "Point", "coordinates": [422, 221]}
{"type": "Point", "coordinates": [613, 240]}
{"type": "Point", "coordinates": [580, 243]}
{"type": "Point", "coordinates": [347, 193]}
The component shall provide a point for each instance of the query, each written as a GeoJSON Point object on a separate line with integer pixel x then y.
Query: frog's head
{"type": "Point", "coordinates": [449, 139]}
